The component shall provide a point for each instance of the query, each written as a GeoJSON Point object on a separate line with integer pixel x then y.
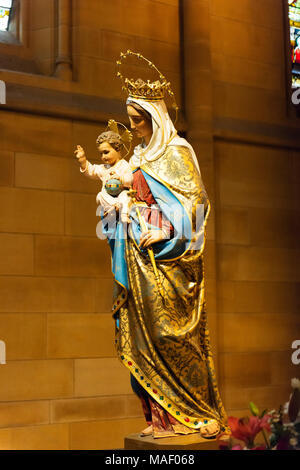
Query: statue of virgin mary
{"type": "Point", "coordinates": [162, 335]}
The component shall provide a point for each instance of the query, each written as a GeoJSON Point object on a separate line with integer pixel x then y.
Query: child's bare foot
{"type": "Point", "coordinates": [211, 430]}
{"type": "Point", "coordinates": [117, 206]}
{"type": "Point", "coordinates": [125, 219]}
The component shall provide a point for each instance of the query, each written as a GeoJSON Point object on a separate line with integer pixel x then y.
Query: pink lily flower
{"type": "Point", "coordinates": [246, 429]}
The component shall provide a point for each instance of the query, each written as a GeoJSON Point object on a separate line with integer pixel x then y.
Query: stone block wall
{"type": "Point", "coordinates": [257, 213]}
{"type": "Point", "coordinates": [63, 386]}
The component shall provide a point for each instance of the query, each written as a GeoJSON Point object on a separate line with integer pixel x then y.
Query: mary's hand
{"type": "Point", "coordinates": [151, 236]}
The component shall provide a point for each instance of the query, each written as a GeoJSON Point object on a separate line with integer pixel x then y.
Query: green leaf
{"type": "Point", "coordinates": [253, 408]}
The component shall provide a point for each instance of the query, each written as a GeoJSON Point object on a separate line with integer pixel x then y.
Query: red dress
{"type": "Point", "coordinates": [150, 214]}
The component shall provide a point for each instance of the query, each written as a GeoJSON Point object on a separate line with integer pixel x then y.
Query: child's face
{"type": "Point", "coordinates": [109, 155]}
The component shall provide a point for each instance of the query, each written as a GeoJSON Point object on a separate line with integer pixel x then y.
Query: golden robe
{"type": "Point", "coordinates": [164, 342]}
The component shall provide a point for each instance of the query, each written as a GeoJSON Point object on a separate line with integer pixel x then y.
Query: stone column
{"type": "Point", "coordinates": [198, 86]}
{"type": "Point", "coordinates": [64, 59]}
{"type": "Point", "coordinates": [23, 26]}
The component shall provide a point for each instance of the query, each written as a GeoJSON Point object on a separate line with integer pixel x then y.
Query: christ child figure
{"type": "Point", "coordinates": [115, 173]}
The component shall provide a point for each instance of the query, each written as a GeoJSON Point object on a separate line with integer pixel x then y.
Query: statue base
{"type": "Point", "coordinates": [182, 442]}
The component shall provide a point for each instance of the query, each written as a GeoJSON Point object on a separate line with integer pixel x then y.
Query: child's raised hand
{"type": "Point", "coordinates": [80, 155]}
{"type": "Point", "coordinates": [79, 152]}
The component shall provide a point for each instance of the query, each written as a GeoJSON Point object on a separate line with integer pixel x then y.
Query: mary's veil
{"type": "Point", "coordinates": [164, 134]}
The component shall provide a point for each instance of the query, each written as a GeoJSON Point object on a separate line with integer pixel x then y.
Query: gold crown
{"type": "Point", "coordinates": [144, 90]}
{"type": "Point", "coordinates": [149, 91]}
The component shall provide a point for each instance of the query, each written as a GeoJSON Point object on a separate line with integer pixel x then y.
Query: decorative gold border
{"type": "Point", "coordinates": [122, 298]}
{"type": "Point", "coordinates": [189, 421]}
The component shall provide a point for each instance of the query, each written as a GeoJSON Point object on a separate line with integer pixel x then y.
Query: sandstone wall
{"type": "Point", "coordinates": [62, 386]}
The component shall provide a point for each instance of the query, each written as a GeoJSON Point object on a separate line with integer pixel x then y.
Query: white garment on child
{"type": "Point", "coordinates": [102, 172]}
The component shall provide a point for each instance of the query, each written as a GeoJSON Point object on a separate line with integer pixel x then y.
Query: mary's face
{"type": "Point", "coordinates": [139, 125]}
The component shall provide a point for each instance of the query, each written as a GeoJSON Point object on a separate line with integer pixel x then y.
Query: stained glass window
{"type": "Point", "coordinates": [294, 18]}
{"type": "Point", "coordinates": [5, 8]}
